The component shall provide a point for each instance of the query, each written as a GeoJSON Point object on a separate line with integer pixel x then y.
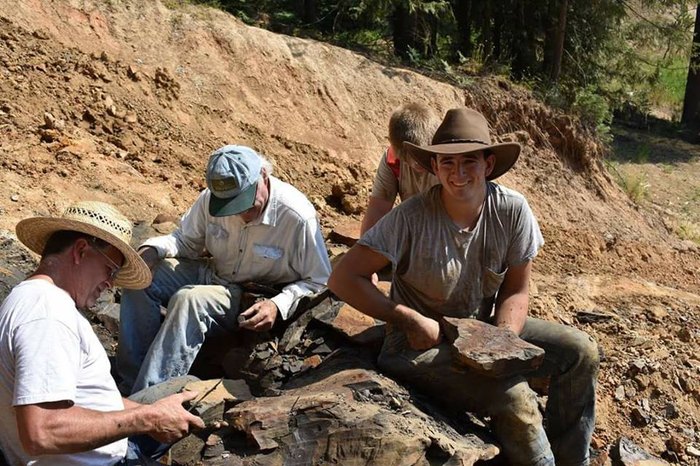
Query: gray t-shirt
{"type": "Point", "coordinates": [442, 270]}
{"type": "Point", "coordinates": [410, 182]}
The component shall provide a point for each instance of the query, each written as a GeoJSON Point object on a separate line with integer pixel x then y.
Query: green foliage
{"type": "Point", "coordinates": [670, 89]}
{"type": "Point", "coordinates": [594, 111]}
{"type": "Point", "coordinates": [646, 62]}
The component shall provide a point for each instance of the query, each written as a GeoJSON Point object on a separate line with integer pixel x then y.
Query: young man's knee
{"type": "Point", "coordinates": [587, 353]}
{"type": "Point", "coordinates": [518, 397]}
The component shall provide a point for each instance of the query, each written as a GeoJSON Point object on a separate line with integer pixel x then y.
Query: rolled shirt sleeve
{"type": "Point", "coordinates": [188, 240]}
{"type": "Point", "coordinates": [310, 262]}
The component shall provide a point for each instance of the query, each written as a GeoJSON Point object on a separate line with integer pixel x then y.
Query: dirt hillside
{"type": "Point", "coordinates": [122, 101]}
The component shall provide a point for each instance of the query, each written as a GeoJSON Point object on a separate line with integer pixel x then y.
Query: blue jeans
{"type": "Point", "coordinates": [143, 451]}
{"type": "Point", "coordinates": [197, 306]}
{"type": "Point", "coordinates": [571, 360]}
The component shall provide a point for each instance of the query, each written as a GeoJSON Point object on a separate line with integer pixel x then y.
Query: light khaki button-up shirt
{"type": "Point", "coordinates": [283, 246]}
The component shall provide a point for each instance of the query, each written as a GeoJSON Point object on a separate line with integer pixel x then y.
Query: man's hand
{"type": "Point", "coordinates": [170, 420]}
{"type": "Point", "coordinates": [422, 332]}
{"type": "Point", "coordinates": [150, 256]}
{"type": "Point", "coordinates": [259, 317]}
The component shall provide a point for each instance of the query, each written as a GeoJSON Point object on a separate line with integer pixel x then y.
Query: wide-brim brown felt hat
{"type": "Point", "coordinates": [463, 131]}
{"type": "Point", "coordinates": [97, 219]}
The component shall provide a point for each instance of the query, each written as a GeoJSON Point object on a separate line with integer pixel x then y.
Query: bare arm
{"type": "Point", "coordinates": [376, 209]}
{"type": "Point", "coordinates": [59, 427]}
{"type": "Point", "coordinates": [351, 281]}
{"type": "Point", "coordinates": [513, 298]}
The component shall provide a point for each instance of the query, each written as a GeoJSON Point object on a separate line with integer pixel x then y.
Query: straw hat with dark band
{"type": "Point", "coordinates": [97, 219]}
{"type": "Point", "coordinates": [462, 131]}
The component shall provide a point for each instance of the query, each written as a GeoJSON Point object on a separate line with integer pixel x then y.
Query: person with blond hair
{"type": "Point", "coordinates": [398, 174]}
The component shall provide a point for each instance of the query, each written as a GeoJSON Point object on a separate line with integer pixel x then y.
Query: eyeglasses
{"type": "Point", "coordinates": [114, 267]}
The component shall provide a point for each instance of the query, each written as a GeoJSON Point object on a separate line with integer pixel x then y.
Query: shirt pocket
{"type": "Point", "coordinates": [266, 253]}
{"type": "Point", "coordinates": [491, 282]}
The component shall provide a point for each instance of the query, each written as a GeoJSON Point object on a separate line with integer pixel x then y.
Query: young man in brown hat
{"type": "Point", "coordinates": [58, 402]}
{"type": "Point", "coordinates": [465, 249]}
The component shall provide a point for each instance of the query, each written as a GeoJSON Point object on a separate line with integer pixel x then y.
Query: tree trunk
{"type": "Point", "coordinates": [497, 32]}
{"type": "Point", "coordinates": [309, 13]}
{"type": "Point", "coordinates": [691, 101]}
{"type": "Point", "coordinates": [432, 23]}
{"type": "Point", "coordinates": [405, 31]}
{"type": "Point", "coordinates": [521, 51]}
{"type": "Point", "coordinates": [463, 16]}
{"type": "Point", "coordinates": [559, 41]}
{"type": "Point", "coordinates": [549, 28]}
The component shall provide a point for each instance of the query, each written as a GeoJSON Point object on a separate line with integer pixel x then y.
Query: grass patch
{"type": "Point", "coordinates": [175, 4]}
{"type": "Point", "coordinates": [634, 185]}
{"type": "Point", "coordinates": [689, 231]}
{"type": "Point", "coordinates": [642, 155]}
{"type": "Point", "coordinates": [667, 168]}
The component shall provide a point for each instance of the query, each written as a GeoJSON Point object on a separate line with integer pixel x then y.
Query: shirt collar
{"type": "Point", "coordinates": [269, 215]}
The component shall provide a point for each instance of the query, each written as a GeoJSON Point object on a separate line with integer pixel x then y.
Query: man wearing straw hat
{"type": "Point", "coordinates": [465, 249]}
{"type": "Point", "coordinates": [247, 226]}
{"type": "Point", "coordinates": [58, 401]}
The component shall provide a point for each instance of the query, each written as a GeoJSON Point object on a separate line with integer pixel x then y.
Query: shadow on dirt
{"type": "Point", "coordinates": [651, 140]}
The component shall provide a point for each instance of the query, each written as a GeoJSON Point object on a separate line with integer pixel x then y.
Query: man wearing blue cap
{"type": "Point", "coordinates": [255, 228]}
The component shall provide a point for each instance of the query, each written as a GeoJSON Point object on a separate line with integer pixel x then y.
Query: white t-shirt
{"type": "Point", "coordinates": [49, 352]}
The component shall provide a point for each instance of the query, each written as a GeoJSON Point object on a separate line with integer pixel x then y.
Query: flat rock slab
{"type": "Point", "coordinates": [490, 350]}
{"type": "Point", "coordinates": [627, 453]}
{"type": "Point", "coordinates": [346, 233]}
{"type": "Point", "coordinates": [354, 325]}
{"type": "Point", "coordinates": [213, 392]}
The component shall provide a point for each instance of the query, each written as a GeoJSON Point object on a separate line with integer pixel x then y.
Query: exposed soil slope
{"type": "Point", "coordinates": [123, 101]}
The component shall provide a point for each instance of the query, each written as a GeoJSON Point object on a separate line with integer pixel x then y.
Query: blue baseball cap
{"type": "Point", "coordinates": [232, 177]}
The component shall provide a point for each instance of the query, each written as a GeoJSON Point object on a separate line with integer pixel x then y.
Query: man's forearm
{"type": "Point", "coordinates": [376, 209]}
{"type": "Point", "coordinates": [361, 294]}
{"type": "Point", "coordinates": [129, 404]}
{"type": "Point", "coordinates": [77, 429]}
{"type": "Point", "coordinates": [511, 313]}
{"type": "Point", "coordinates": [513, 298]}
